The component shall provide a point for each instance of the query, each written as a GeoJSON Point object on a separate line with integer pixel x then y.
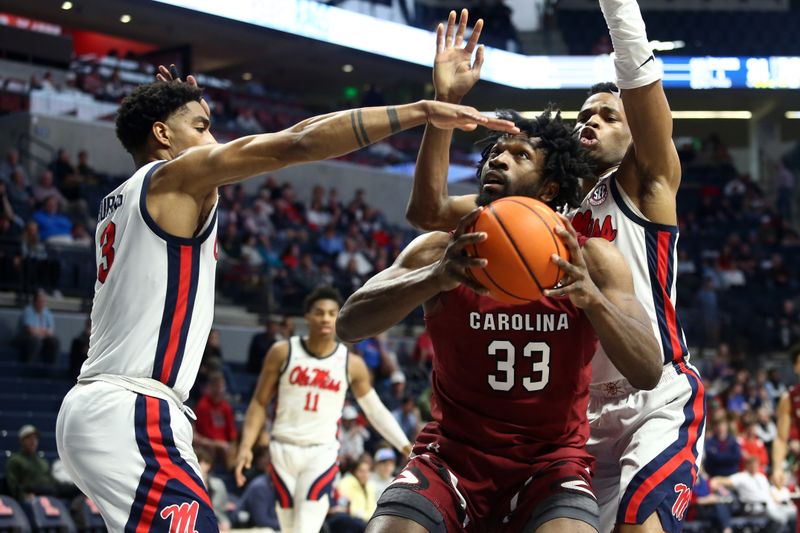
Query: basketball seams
{"type": "Point", "coordinates": [490, 278]}
{"type": "Point", "coordinates": [516, 248]}
{"type": "Point", "coordinates": [552, 233]}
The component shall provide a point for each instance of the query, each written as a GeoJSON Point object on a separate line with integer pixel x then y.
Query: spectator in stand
{"type": "Point", "coordinates": [260, 345]}
{"type": "Point", "coordinates": [46, 188]}
{"type": "Point", "coordinates": [351, 253]}
{"type": "Point", "coordinates": [359, 490]}
{"type": "Point", "coordinates": [751, 445]}
{"type": "Point", "coordinates": [602, 46]}
{"type": "Point", "coordinates": [757, 496]}
{"type": "Point", "coordinates": [11, 164]}
{"type": "Point", "coordinates": [708, 314]}
{"type": "Point", "coordinates": [331, 242]}
{"type": "Point", "coordinates": [785, 181]}
{"type": "Point", "coordinates": [215, 428]}
{"type": "Point", "coordinates": [713, 506]}
{"type": "Point", "coordinates": [64, 173]}
{"type": "Point", "coordinates": [306, 275]}
{"type": "Point", "coordinates": [257, 504]}
{"type": "Point", "coordinates": [371, 350]}
{"type": "Point", "coordinates": [383, 469]}
{"type": "Point", "coordinates": [28, 475]}
{"type": "Point", "coordinates": [352, 435]}
{"type": "Point", "coordinates": [53, 225]}
{"type": "Point", "coordinates": [722, 453]}
{"type": "Point", "coordinates": [216, 489]}
{"type": "Point", "coordinates": [287, 327]}
{"type": "Point", "coordinates": [80, 236]}
{"type": "Point", "coordinates": [19, 193]}
{"type": "Point", "coordinates": [247, 122]}
{"type": "Point", "coordinates": [397, 391]}
{"type": "Point", "coordinates": [766, 430]}
{"type": "Point", "coordinates": [407, 415]}
{"type": "Point", "coordinates": [736, 401]}
{"type": "Point", "coordinates": [85, 170]}
{"type": "Point", "coordinates": [79, 350]}
{"type": "Point", "coordinates": [6, 209]}
{"type": "Point", "coordinates": [37, 268]}
{"type": "Point", "coordinates": [37, 336]}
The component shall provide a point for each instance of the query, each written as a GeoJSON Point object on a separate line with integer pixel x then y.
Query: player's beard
{"type": "Point", "coordinates": [485, 197]}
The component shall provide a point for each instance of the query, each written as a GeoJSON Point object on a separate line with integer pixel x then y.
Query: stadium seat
{"type": "Point", "coordinates": [87, 516]}
{"type": "Point", "coordinates": [50, 515]}
{"type": "Point", "coordinates": [12, 517]}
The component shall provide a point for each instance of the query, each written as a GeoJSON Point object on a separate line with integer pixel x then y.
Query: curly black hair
{"type": "Point", "coordinates": [565, 162]}
{"type": "Point", "coordinates": [321, 293]}
{"type": "Point", "coordinates": [148, 104]}
{"type": "Point", "coordinates": [604, 87]}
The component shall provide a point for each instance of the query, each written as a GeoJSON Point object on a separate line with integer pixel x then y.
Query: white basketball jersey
{"type": "Point", "coordinates": [154, 294]}
{"type": "Point", "coordinates": [651, 253]}
{"type": "Point", "coordinates": [311, 393]}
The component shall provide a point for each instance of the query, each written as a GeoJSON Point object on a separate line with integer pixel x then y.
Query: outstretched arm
{"type": "Point", "coordinates": [257, 410]}
{"type": "Point", "coordinates": [199, 170]}
{"type": "Point", "coordinates": [377, 413]}
{"type": "Point", "coordinates": [431, 264]}
{"type": "Point", "coordinates": [454, 73]}
{"type": "Point", "coordinates": [599, 281]}
{"type": "Point", "coordinates": [656, 167]}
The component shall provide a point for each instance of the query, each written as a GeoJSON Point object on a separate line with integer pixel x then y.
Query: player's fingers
{"type": "Point", "coordinates": [500, 125]}
{"type": "Point", "coordinates": [476, 66]}
{"type": "Point", "coordinates": [451, 28]}
{"type": "Point", "coordinates": [465, 240]}
{"type": "Point", "coordinates": [159, 77]}
{"type": "Point", "coordinates": [439, 38]}
{"type": "Point", "coordinates": [564, 290]}
{"type": "Point", "coordinates": [571, 242]}
{"type": "Point", "coordinates": [474, 36]}
{"type": "Point", "coordinates": [462, 27]}
{"type": "Point", "coordinates": [571, 270]}
{"type": "Point", "coordinates": [467, 221]}
{"type": "Point", "coordinates": [164, 71]}
{"type": "Point", "coordinates": [173, 70]}
{"type": "Point", "coordinates": [191, 80]}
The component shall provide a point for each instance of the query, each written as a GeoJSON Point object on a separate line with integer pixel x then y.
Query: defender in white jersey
{"type": "Point", "coordinates": [310, 378]}
{"type": "Point", "coordinates": [648, 443]}
{"type": "Point", "coordinates": [121, 430]}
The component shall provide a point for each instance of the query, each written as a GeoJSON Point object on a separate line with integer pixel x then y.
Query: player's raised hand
{"type": "Point", "coordinates": [171, 74]}
{"type": "Point", "coordinates": [454, 71]}
{"type": "Point", "coordinates": [243, 460]}
{"type": "Point", "coordinates": [577, 283]}
{"type": "Point", "coordinates": [448, 116]}
{"type": "Point", "coordinates": [451, 270]}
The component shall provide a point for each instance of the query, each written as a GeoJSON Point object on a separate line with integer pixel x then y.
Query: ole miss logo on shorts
{"type": "Point", "coordinates": [682, 501]}
{"type": "Point", "coordinates": [182, 518]}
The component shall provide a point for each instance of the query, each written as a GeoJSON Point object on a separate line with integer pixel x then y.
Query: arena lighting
{"type": "Point", "coordinates": [792, 115]}
{"type": "Point", "coordinates": [676, 115]}
{"type": "Point", "coordinates": [315, 20]}
{"type": "Point", "coordinates": [66, 6]}
{"type": "Point", "coordinates": [247, 76]}
{"type": "Point", "coordinates": [125, 18]}
{"type": "Point", "coordinates": [347, 68]}
{"type": "Point", "coordinates": [666, 46]}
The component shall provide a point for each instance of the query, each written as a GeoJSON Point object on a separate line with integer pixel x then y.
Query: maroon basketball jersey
{"type": "Point", "coordinates": [794, 398]}
{"type": "Point", "coordinates": [511, 380]}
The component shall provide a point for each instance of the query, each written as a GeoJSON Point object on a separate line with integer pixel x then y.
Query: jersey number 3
{"type": "Point", "coordinates": [538, 352]}
{"type": "Point", "coordinates": [106, 251]}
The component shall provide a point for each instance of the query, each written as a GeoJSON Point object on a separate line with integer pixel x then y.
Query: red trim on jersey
{"type": "Point", "coordinates": [284, 498]}
{"type": "Point", "coordinates": [664, 257]}
{"type": "Point", "coordinates": [167, 469]}
{"type": "Point", "coordinates": [180, 312]}
{"type": "Point", "coordinates": [685, 454]}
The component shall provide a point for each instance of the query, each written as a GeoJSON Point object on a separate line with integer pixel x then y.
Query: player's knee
{"type": "Point", "coordinates": [394, 524]}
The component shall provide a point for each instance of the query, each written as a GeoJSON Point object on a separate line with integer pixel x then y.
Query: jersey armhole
{"type": "Point", "coordinates": [347, 366]}
{"type": "Point", "coordinates": [158, 230]}
{"type": "Point", "coordinates": [288, 358]}
{"type": "Point", "coordinates": [620, 197]}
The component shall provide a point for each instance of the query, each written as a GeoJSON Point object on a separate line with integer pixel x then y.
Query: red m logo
{"type": "Point", "coordinates": [682, 501]}
{"type": "Point", "coordinates": [182, 518]}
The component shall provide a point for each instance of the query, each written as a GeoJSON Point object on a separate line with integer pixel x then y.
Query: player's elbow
{"type": "Point", "coordinates": [347, 327]}
{"type": "Point", "coordinates": [648, 375]}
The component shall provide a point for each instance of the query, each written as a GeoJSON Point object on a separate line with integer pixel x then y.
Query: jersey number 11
{"type": "Point", "coordinates": [312, 400]}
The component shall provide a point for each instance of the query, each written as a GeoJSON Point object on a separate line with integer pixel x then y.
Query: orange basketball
{"type": "Point", "coordinates": [520, 239]}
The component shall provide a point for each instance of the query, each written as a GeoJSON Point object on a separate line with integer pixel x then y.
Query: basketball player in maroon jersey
{"type": "Point", "coordinates": [506, 450]}
{"type": "Point", "coordinates": [788, 419]}
{"type": "Point", "coordinates": [647, 420]}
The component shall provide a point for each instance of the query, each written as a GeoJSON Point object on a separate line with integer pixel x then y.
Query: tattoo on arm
{"type": "Point", "coordinates": [394, 120]}
{"type": "Point", "coordinates": [364, 135]}
{"type": "Point", "coordinates": [361, 143]}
